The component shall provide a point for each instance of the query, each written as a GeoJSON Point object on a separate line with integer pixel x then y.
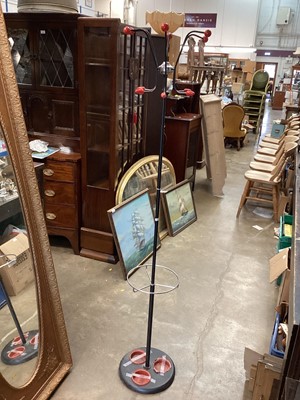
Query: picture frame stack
{"type": "Point", "coordinates": [132, 222]}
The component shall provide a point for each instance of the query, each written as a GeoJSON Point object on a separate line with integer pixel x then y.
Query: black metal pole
{"type": "Point", "coordinates": [157, 208]}
{"type": "Point", "coordinates": [12, 311]}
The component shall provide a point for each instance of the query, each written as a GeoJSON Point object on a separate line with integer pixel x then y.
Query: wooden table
{"type": "Point", "coordinates": [291, 109]}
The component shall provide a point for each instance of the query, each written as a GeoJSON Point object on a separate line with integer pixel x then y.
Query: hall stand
{"type": "Point", "coordinates": [146, 369]}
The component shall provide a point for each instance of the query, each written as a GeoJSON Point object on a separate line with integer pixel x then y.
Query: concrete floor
{"type": "Point", "coordinates": [224, 302]}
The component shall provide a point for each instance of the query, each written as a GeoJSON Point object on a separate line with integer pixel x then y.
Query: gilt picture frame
{"type": "Point", "coordinates": [132, 224]}
{"type": "Point", "coordinates": [143, 175]}
{"type": "Point", "coordinates": [179, 207]}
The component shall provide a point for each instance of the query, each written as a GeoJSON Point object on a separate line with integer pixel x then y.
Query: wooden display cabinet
{"type": "Point", "coordinates": [112, 66]}
{"type": "Point", "coordinates": [44, 54]}
{"type": "Point", "coordinates": [76, 77]}
{"type": "Point", "coordinates": [216, 59]}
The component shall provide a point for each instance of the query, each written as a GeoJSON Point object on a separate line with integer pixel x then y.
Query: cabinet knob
{"type": "Point", "coordinates": [50, 216]}
{"type": "Point", "coordinates": [49, 193]}
{"type": "Point", "coordinates": [48, 172]}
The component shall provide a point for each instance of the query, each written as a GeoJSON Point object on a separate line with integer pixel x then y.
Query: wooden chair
{"type": "Point", "coordinates": [271, 149]}
{"type": "Point", "coordinates": [269, 159]}
{"type": "Point", "coordinates": [287, 132]}
{"type": "Point", "coordinates": [233, 115]}
{"type": "Point", "coordinates": [289, 152]}
{"type": "Point", "coordinates": [289, 120]}
{"type": "Point", "coordinates": [294, 124]}
{"type": "Point", "coordinates": [287, 139]}
{"type": "Point", "coordinates": [260, 81]}
{"type": "Point", "coordinates": [263, 188]}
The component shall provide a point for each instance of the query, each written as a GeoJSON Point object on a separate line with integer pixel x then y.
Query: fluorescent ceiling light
{"type": "Point", "coordinates": [221, 49]}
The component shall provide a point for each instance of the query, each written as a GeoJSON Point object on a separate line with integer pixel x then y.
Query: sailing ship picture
{"type": "Point", "coordinates": [179, 207]}
{"type": "Point", "coordinates": [132, 225]}
{"type": "Point", "coordinates": [138, 230]}
{"type": "Point", "coordinates": [182, 207]}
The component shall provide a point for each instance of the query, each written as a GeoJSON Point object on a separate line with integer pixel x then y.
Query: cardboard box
{"type": "Point", "coordinates": [267, 377]}
{"type": "Point", "coordinates": [249, 66]}
{"type": "Point", "coordinates": [263, 374]}
{"type": "Point", "coordinates": [16, 277]}
{"type": "Point", "coordinates": [279, 266]}
{"type": "Point", "coordinates": [238, 76]}
{"type": "Point", "coordinates": [249, 77]}
{"type": "Point", "coordinates": [237, 88]}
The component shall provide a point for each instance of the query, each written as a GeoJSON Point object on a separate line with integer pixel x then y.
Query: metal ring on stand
{"type": "Point", "coordinates": [143, 289]}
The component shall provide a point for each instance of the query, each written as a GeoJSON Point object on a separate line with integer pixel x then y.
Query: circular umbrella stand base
{"type": "Point", "coordinates": [157, 378]}
{"type": "Point", "coordinates": [16, 352]}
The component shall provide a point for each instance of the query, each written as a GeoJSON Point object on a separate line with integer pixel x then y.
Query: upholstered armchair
{"type": "Point", "coordinates": [233, 115]}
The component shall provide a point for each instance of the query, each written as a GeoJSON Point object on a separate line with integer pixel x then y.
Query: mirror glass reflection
{"type": "Point", "coordinates": [18, 314]}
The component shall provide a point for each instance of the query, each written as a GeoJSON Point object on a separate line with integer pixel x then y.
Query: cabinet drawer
{"type": "Point", "coordinates": [59, 193]}
{"type": "Point", "coordinates": [57, 215]}
{"type": "Point", "coordinates": [59, 171]}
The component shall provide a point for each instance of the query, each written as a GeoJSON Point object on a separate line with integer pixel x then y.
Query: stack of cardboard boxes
{"type": "Point", "coordinates": [263, 372]}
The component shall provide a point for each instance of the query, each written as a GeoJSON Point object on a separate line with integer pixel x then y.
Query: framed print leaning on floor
{"type": "Point", "coordinates": [179, 207]}
{"type": "Point", "coordinates": [132, 224]}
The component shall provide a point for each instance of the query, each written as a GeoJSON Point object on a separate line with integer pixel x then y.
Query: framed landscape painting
{"type": "Point", "coordinates": [132, 224]}
{"type": "Point", "coordinates": [179, 207]}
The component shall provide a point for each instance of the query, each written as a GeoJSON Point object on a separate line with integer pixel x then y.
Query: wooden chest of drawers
{"type": "Point", "coordinates": [61, 196]}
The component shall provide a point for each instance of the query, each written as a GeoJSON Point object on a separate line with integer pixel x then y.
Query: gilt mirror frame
{"type": "Point", "coordinates": [54, 358]}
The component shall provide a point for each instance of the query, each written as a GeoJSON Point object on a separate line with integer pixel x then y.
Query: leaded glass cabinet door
{"type": "Point", "coordinates": [112, 131]}
{"type": "Point", "coordinates": [44, 53]}
{"type": "Point", "coordinates": [21, 50]}
{"type": "Point", "coordinates": [55, 55]}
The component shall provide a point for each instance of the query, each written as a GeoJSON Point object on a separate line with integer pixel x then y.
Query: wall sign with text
{"type": "Point", "coordinates": [200, 20]}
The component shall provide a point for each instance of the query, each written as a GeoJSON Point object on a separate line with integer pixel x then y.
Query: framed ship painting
{"type": "Point", "coordinates": [179, 207]}
{"type": "Point", "coordinates": [132, 224]}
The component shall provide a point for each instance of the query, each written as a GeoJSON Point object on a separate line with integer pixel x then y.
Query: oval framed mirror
{"type": "Point", "coordinates": [54, 358]}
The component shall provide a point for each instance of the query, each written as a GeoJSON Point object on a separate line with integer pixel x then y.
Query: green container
{"type": "Point", "coordinates": [284, 240]}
